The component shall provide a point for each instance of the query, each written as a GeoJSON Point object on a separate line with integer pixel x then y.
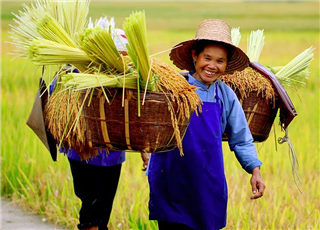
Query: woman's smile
{"type": "Point", "coordinates": [209, 73]}
{"type": "Point", "coordinates": [210, 64]}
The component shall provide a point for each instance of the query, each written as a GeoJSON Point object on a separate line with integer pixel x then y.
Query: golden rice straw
{"type": "Point", "coordinates": [180, 91]}
{"type": "Point", "coordinates": [61, 115]}
{"type": "Point", "coordinates": [249, 80]}
{"type": "Point", "coordinates": [172, 82]}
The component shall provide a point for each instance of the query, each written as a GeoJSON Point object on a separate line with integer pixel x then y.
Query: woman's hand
{"type": "Point", "coordinates": [257, 184]}
{"type": "Point", "coordinates": [145, 159]}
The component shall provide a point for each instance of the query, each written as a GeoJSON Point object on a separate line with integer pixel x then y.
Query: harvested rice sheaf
{"type": "Point", "coordinates": [64, 115]}
{"type": "Point", "coordinates": [67, 125]}
{"type": "Point", "coordinates": [249, 80]}
{"type": "Point", "coordinates": [173, 83]}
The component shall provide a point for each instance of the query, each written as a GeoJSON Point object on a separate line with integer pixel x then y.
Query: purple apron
{"type": "Point", "coordinates": [192, 189]}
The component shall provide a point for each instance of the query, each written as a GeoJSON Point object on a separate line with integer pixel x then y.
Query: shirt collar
{"type": "Point", "coordinates": [197, 83]}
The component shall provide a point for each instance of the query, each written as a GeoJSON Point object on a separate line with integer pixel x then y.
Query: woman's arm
{"type": "Point", "coordinates": [238, 132]}
{"type": "Point", "coordinates": [241, 142]}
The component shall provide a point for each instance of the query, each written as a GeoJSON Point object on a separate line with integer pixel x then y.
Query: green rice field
{"type": "Point", "coordinates": [31, 179]}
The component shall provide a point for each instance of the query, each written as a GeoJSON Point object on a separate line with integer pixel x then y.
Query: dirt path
{"type": "Point", "coordinates": [12, 217]}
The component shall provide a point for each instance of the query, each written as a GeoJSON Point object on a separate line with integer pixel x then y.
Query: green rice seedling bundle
{"type": "Point", "coordinates": [295, 73]}
{"type": "Point", "coordinates": [86, 92]}
{"type": "Point", "coordinates": [255, 45]}
{"type": "Point", "coordinates": [235, 36]}
{"type": "Point", "coordinates": [25, 30]}
{"type": "Point", "coordinates": [51, 29]}
{"type": "Point", "coordinates": [70, 14]}
{"type": "Point", "coordinates": [99, 45]}
{"type": "Point", "coordinates": [83, 81]}
{"type": "Point", "coordinates": [46, 52]}
{"type": "Point", "coordinates": [135, 28]}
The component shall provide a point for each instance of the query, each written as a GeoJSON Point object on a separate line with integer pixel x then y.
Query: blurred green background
{"type": "Point", "coordinates": [30, 178]}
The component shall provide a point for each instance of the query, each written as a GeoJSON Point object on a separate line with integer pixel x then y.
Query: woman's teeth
{"type": "Point", "coordinates": [209, 73]}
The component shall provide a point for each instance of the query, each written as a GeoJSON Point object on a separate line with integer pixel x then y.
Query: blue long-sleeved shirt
{"type": "Point", "coordinates": [233, 122]}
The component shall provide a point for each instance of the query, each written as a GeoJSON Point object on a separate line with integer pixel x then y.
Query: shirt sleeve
{"type": "Point", "coordinates": [238, 132]}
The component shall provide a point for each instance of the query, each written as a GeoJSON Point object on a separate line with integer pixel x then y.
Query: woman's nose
{"type": "Point", "coordinates": [212, 65]}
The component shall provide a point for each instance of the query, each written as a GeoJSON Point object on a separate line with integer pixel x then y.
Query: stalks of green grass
{"type": "Point", "coordinates": [19, 144]}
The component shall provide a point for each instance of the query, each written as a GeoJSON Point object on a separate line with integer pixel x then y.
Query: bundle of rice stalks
{"type": "Point", "coordinates": [136, 31]}
{"type": "Point", "coordinates": [235, 36]}
{"type": "Point", "coordinates": [25, 30]}
{"type": "Point", "coordinates": [56, 35]}
{"type": "Point", "coordinates": [83, 81]}
{"type": "Point", "coordinates": [65, 122]}
{"type": "Point", "coordinates": [62, 114]}
{"type": "Point", "coordinates": [72, 15]}
{"type": "Point", "coordinates": [99, 45]}
{"type": "Point", "coordinates": [173, 83]}
{"type": "Point", "coordinates": [249, 80]}
{"type": "Point", "coordinates": [45, 52]}
{"type": "Point", "coordinates": [180, 91]}
{"type": "Point", "coordinates": [295, 73]}
{"type": "Point", "coordinates": [255, 45]}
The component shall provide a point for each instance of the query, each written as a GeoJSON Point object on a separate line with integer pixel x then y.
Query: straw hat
{"type": "Point", "coordinates": [214, 30]}
{"type": "Point", "coordinates": [36, 120]}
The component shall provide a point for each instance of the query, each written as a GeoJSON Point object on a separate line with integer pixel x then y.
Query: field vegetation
{"type": "Point", "coordinates": [31, 179]}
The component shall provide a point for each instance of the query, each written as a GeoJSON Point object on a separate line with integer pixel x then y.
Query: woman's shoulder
{"type": "Point", "coordinates": [226, 90]}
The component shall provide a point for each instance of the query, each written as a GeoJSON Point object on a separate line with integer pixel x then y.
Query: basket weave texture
{"type": "Point", "coordinates": [117, 127]}
{"type": "Point", "coordinates": [260, 115]}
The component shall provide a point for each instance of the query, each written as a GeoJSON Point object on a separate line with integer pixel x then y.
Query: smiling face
{"type": "Point", "coordinates": [210, 63]}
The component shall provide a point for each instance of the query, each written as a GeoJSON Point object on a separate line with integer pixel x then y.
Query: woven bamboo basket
{"type": "Point", "coordinates": [117, 127]}
{"type": "Point", "coordinates": [260, 115]}
{"type": "Point", "coordinates": [260, 112]}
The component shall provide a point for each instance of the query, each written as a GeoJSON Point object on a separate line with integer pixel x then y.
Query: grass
{"type": "Point", "coordinates": [30, 178]}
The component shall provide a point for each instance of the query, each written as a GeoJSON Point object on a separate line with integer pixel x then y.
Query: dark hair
{"type": "Point", "coordinates": [199, 46]}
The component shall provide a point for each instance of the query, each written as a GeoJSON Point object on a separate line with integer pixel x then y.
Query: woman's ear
{"type": "Point", "coordinates": [194, 56]}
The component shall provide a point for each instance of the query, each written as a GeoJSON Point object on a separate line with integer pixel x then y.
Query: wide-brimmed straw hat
{"type": "Point", "coordinates": [212, 30]}
{"type": "Point", "coordinates": [37, 123]}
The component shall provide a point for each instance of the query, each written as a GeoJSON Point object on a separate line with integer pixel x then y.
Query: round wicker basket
{"type": "Point", "coordinates": [260, 115]}
{"type": "Point", "coordinates": [258, 99]}
{"type": "Point", "coordinates": [117, 127]}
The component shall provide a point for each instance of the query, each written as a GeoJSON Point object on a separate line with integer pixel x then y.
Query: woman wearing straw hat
{"type": "Point", "coordinates": [190, 192]}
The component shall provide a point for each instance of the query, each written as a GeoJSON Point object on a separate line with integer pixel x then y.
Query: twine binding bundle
{"type": "Point", "coordinates": [258, 100]}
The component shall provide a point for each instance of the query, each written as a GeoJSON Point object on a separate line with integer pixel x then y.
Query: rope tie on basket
{"type": "Point", "coordinates": [293, 158]}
